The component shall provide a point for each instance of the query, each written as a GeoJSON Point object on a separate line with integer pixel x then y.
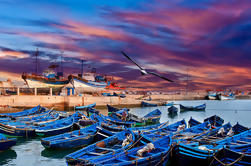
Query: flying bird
{"type": "Point", "coordinates": [143, 71]}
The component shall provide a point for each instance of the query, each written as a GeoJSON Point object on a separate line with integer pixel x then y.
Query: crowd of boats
{"type": "Point", "coordinates": [122, 138]}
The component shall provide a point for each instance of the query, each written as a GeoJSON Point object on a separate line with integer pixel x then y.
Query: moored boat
{"type": "Point", "coordinates": [34, 110]}
{"type": "Point", "coordinates": [154, 153]}
{"type": "Point", "coordinates": [49, 78]}
{"type": "Point", "coordinates": [110, 145]}
{"type": "Point", "coordinates": [226, 97]}
{"type": "Point", "coordinates": [172, 110]}
{"type": "Point", "coordinates": [145, 104]}
{"type": "Point", "coordinates": [238, 155]}
{"type": "Point", "coordinates": [86, 107]}
{"type": "Point", "coordinates": [75, 139]}
{"type": "Point", "coordinates": [20, 131]}
{"type": "Point", "coordinates": [214, 120]}
{"type": "Point", "coordinates": [6, 143]}
{"type": "Point", "coordinates": [201, 107]}
{"type": "Point", "coordinates": [168, 104]}
{"type": "Point", "coordinates": [202, 148]}
{"type": "Point", "coordinates": [88, 83]}
{"type": "Point", "coordinates": [56, 127]}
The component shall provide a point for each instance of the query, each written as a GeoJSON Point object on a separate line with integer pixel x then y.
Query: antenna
{"type": "Point", "coordinates": [36, 54]}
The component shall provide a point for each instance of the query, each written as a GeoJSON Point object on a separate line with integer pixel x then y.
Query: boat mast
{"type": "Point", "coordinates": [187, 82]}
{"type": "Point", "coordinates": [82, 68]}
{"type": "Point", "coordinates": [61, 62]}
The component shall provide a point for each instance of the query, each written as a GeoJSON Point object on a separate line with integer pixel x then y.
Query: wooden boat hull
{"type": "Point", "coordinates": [41, 82]}
{"type": "Point", "coordinates": [28, 112]}
{"type": "Point", "coordinates": [55, 131]}
{"type": "Point", "coordinates": [191, 108]}
{"type": "Point", "coordinates": [228, 156]}
{"type": "Point", "coordinates": [158, 156]}
{"type": "Point", "coordinates": [6, 144]}
{"type": "Point", "coordinates": [204, 151]}
{"type": "Point", "coordinates": [145, 104]}
{"type": "Point", "coordinates": [172, 110]}
{"type": "Point", "coordinates": [17, 132]}
{"type": "Point", "coordinates": [222, 97]}
{"type": "Point", "coordinates": [74, 143]}
{"type": "Point", "coordinates": [99, 148]}
{"type": "Point", "coordinates": [75, 139]}
{"type": "Point", "coordinates": [183, 159]}
{"type": "Point", "coordinates": [87, 86]}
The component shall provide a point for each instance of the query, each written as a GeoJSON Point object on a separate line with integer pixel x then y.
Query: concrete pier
{"type": "Point", "coordinates": [67, 102]}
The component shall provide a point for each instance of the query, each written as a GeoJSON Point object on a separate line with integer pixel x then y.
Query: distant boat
{"type": "Point", "coordinates": [212, 96]}
{"type": "Point", "coordinates": [145, 104]}
{"type": "Point", "coordinates": [168, 104]}
{"type": "Point", "coordinates": [193, 108]}
{"type": "Point", "coordinates": [172, 110]}
{"type": "Point", "coordinates": [226, 97]}
{"type": "Point", "coordinates": [49, 78]}
{"type": "Point", "coordinates": [85, 107]}
{"type": "Point", "coordinates": [88, 83]}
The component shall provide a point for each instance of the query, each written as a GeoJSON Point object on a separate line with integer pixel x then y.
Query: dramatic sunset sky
{"type": "Point", "coordinates": [210, 39]}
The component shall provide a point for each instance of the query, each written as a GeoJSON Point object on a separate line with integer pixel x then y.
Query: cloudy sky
{"type": "Point", "coordinates": [209, 39]}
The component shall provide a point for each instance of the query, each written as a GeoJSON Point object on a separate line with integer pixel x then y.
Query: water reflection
{"type": "Point", "coordinates": [7, 156]}
{"type": "Point", "coordinates": [57, 154]}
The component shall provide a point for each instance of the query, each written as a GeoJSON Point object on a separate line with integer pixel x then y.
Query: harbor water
{"type": "Point", "coordinates": [30, 152]}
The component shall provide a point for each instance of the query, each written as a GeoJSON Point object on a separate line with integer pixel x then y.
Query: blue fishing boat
{"type": "Point", "coordinates": [214, 120]}
{"type": "Point", "coordinates": [151, 118]}
{"type": "Point", "coordinates": [110, 145]}
{"type": "Point", "coordinates": [56, 127]}
{"type": "Point", "coordinates": [35, 110]}
{"type": "Point", "coordinates": [45, 119]}
{"type": "Point", "coordinates": [86, 107]}
{"type": "Point", "coordinates": [166, 130]}
{"type": "Point", "coordinates": [192, 132]}
{"type": "Point", "coordinates": [117, 121]}
{"type": "Point", "coordinates": [112, 109]}
{"type": "Point", "coordinates": [201, 107]}
{"type": "Point", "coordinates": [168, 104]}
{"type": "Point", "coordinates": [75, 139]}
{"type": "Point", "coordinates": [145, 104]}
{"type": "Point", "coordinates": [118, 128]}
{"type": "Point", "coordinates": [238, 155]}
{"type": "Point", "coordinates": [34, 116]}
{"type": "Point", "coordinates": [6, 143]}
{"type": "Point", "coordinates": [202, 149]}
{"type": "Point", "coordinates": [172, 110]}
{"type": "Point", "coordinates": [17, 131]}
{"type": "Point", "coordinates": [154, 153]}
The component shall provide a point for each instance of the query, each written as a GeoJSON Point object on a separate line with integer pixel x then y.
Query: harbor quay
{"type": "Point", "coordinates": [68, 102]}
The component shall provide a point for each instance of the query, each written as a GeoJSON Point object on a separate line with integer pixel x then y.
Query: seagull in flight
{"type": "Point", "coordinates": [143, 71]}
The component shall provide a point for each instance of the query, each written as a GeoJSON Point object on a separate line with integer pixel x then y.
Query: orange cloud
{"type": "Point", "coordinates": [13, 54]}
{"type": "Point", "coordinates": [90, 31]}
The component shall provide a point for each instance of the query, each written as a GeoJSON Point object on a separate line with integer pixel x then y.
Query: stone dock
{"type": "Point", "coordinates": [68, 102]}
